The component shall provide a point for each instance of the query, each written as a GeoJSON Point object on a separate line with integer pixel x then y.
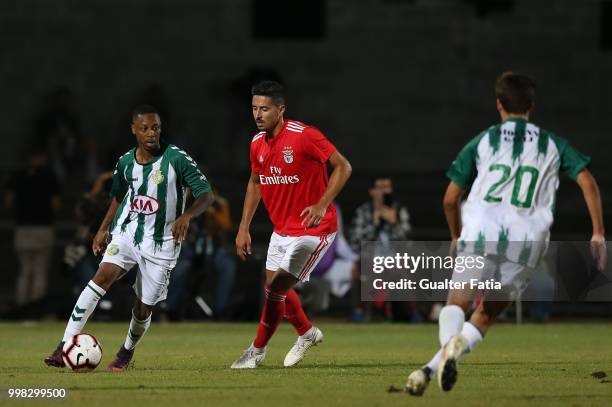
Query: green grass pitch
{"type": "Point", "coordinates": [188, 364]}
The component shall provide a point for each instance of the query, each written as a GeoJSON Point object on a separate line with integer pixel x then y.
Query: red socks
{"type": "Point", "coordinates": [295, 314]}
{"type": "Point", "coordinates": [271, 315]}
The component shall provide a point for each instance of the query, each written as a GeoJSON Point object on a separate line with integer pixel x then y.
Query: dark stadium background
{"type": "Point", "coordinates": [398, 85]}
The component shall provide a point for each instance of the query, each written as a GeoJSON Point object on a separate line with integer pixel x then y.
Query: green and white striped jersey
{"type": "Point", "coordinates": [513, 169]}
{"type": "Point", "coordinates": [152, 197]}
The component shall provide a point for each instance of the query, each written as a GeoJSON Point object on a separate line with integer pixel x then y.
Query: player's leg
{"type": "Point", "coordinates": [141, 320]}
{"type": "Point", "coordinates": [272, 313]}
{"type": "Point", "coordinates": [106, 275]}
{"type": "Point", "coordinates": [293, 306]}
{"type": "Point", "coordinates": [450, 325]}
{"type": "Point", "coordinates": [514, 279]}
{"type": "Point", "coordinates": [294, 313]}
{"type": "Point", "coordinates": [301, 257]}
{"type": "Point", "coordinates": [151, 287]}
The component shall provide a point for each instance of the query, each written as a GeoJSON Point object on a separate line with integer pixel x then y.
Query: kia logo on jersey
{"type": "Point", "coordinates": [144, 204]}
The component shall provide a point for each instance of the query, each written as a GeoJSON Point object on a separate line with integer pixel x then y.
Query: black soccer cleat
{"type": "Point", "coordinates": [448, 378]}
{"type": "Point", "coordinates": [55, 359]}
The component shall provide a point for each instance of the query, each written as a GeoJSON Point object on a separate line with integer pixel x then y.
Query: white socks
{"type": "Point", "coordinates": [472, 334]}
{"type": "Point", "coordinates": [435, 362]}
{"type": "Point", "coordinates": [450, 321]}
{"type": "Point", "coordinates": [136, 331]}
{"type": "Point", "coordinates": [469, 332]}
{"type": "Point", "coordinates": [85, 306]}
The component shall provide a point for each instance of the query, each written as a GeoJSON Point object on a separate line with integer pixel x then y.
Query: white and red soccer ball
{"type": "Point", "coordinates": [82, 353]}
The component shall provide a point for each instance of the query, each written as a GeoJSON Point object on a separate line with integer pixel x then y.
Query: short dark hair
{"type": "Point", "coordinates": [271, 89]}
{"type": "Point", "coordinates": [378, 178]}
{"type": "Point", "coordinates": [143, 109]}
{"type": "Point", "coordinates": [515, 91]}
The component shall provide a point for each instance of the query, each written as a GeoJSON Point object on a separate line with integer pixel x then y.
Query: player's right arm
{"type": "Point", "coordinates": [461, 173]}
{"type": "Point", "coordinates": [592, 197]}
{"type": "Point", "coordinates": [99, 241]}
{"type": "Point", "coordinates": [251, 201]}
{"type": "Point", "coordinates": [118, 191]}
{"type": "Point", "coordinates": [452, 211]}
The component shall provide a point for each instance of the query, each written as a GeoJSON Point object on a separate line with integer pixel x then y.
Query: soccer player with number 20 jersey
{"type": "Point", "coordinates": [513, 171]}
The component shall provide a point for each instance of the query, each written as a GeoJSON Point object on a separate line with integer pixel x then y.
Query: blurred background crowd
{"type": "Point", "coordinates": [399, 86]}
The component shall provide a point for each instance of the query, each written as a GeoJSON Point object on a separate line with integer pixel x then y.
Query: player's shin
{"type": "Point", "coordinates": [137, 330]}
{"type": "Point", "coordinates": [450, 322]}
{"type": "Point", "coordinates": [295, 313]}
{"type": "Point", "coordinates": [85, 306]}
{"type": "Point", "coordinates": [271, 315]}
{"type": "Point", "coordinates": [473, 336]}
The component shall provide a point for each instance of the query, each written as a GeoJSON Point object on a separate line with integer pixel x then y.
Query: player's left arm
{"type": "Point", "coordinates": [592, 197]}
{"type": "Point", "coordinates": [341, 171]}
{"type": "Point", "coordinates": [201, 191]}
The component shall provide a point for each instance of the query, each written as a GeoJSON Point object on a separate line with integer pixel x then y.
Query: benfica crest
{"type": "Point", "coordinates": [288, 154]}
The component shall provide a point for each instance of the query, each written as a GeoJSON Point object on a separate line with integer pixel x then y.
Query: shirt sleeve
{"type": "Point", "coordinates": [255, 164]}
{"type": "Point", "coordinates": [462, 171]}
{"type": "Point", "coordinates": [572, 161]}
{"type": "Point", "coordinates": [120, 185]}
{"type": "Point", "coordinates": [317, 145]}
{"type": "Point", "coordinates": [191, 175]}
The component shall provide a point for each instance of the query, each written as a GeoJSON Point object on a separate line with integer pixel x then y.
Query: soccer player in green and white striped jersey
{"type": "Point", "coordinates": [148, 221]}
{"type": "Point", "coordinates": [513, 171]}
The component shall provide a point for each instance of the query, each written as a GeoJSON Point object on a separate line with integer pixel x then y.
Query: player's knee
{"type": "Point", "coordinates": [106, 276]}
{"type": "Point", "coordinates": [464, 305]}
{"type": "Point", "coordinates": [482, 318]}
{"type": "Point", "coordinates": [282, 281]}
{"type": "Point", "coordinates": [141, 311]}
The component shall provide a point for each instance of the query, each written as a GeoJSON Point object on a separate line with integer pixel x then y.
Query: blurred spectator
{"type": "Point", "coordinates": [34, 193]}
{"type": "Point", "coordinates": [208, 242]}
{"type": "Point", "coordinates": [381, 219]}
{"type": "Point", "coordinates": [332, 275]}
{"type": "Point", "coordinates": [58, 128]}
{"type": "Point", "coordinates": [219, 254]}
{"type": "Point", "coordinates": [184, 280]}
{"type": "Point", "coordinates": [89, 212]}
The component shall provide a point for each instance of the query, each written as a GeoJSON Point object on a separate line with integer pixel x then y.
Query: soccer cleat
{"type": "Point", "coordinates": [303, 343]}
{"type": "Point", "coordinates": [250, 358]}
{"type": "Point", "coordinates": [418, 381]}
{"type": "Point", "coordinates": [55, 359]}
{"type": "Point", "coordinates": [447, 370]}
{"type": "Point", "coordinates": [121, 361]}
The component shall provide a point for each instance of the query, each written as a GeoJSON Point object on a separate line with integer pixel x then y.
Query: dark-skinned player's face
{"type": "Point", "coordinates": [147, 129]}
{"type": "Point", "coordinates": [266, 113]}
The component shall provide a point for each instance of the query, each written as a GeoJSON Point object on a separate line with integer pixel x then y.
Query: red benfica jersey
{"type": "Point", "coordinates": [292, 176]}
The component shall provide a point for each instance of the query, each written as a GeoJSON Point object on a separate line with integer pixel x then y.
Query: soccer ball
{"type": "Point", "coordinates": [82, 353]}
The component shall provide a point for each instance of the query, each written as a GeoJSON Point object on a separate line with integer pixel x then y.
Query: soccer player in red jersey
{"type": "Point", "coordinates": [288, 171]}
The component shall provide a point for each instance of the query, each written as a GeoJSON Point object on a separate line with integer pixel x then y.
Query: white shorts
{"type": "Point", "coordinates": [514, 277]}
{"type": "Point", "coordinates": [297, 255]}
{"type": "Point", "coordinates": [152, 279]}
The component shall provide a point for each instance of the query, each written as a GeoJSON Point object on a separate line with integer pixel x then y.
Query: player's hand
{"type": "Point", "coordinates": [313, 215]}
{"type": "Point", "coordinates": [243, 244]}
{"type": "Point", "coordinates": [99, 242]}
{"type": "Point", "coordinates": [598, 250]}
{"type": "Point", "coordinates": [181, 227]}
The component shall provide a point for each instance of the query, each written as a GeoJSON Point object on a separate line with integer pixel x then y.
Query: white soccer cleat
{"type": "Point", "coordinates": [447, 370]}
{"type": "Point", "coordinates": [250, 358]}
{"type": "Point", "coordinates": [417, 382]}
{"type": "Point", "coordinates": [311, 338]}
